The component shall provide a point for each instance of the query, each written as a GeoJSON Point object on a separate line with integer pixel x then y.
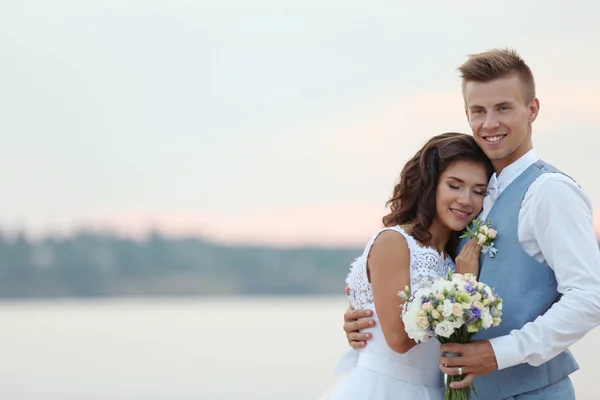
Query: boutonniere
{"type": "Point", "coordinates": [484, 234]}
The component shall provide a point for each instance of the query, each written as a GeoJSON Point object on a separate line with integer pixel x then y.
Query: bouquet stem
{"type": "Point", "coordinates": [459, 336]}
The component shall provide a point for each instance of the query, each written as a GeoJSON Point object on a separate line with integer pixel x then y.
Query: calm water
{"type": "Point", "coordinates": [185, 349]}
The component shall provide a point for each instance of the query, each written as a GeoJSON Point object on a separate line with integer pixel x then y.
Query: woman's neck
{"type": "Point", "coordinates": [440, 236]}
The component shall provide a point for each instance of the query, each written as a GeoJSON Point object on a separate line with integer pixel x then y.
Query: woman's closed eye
{"type": "Point", "coordinates": [479, 191]}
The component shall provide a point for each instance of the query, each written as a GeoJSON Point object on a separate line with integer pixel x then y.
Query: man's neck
{"type": "Point", "coordinates": [501, 165]}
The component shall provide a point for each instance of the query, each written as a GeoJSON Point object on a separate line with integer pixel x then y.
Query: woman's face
{"type": "Point", "coordinates": [460, 192]}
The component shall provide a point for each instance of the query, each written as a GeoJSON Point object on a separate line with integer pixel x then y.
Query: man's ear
{"type": "Point", "coordinates": [534, 109]}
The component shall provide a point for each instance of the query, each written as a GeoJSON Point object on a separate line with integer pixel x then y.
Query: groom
{"type": "Point", "coordinates": [547, 268]}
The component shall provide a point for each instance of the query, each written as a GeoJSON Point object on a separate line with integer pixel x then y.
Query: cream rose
{"type": "Point", "coordinates": [423, 322]}
{"type": "Point", "coordinates": [481, 239]}
{"type": "Point", "coordinates": [457, 310]}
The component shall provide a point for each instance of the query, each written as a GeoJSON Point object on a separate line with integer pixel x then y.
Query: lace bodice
{"type": "Point", "coordinates": [426, 264]}
{"type": "Point", "coordinates": [421, 361]}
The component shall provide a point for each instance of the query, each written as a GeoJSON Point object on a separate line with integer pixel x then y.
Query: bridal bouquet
{"type": "Point", "coordinates": [451, 309]}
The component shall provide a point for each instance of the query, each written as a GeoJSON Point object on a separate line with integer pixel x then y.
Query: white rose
{"type": "Point", "coordinates": [442, 285]}
{"type": "Point", "coordinates": [476, 297]}
{"type": "Point", "coordinates": [457, 278]}
{"type": "Point", "coordinates": [486, 318]}
{"type": "Point", "coordinates": [444, 329]}
{"type": "Point", "coordinates": [460, 283]}
{"type": "Point", "coordinates": [457, 323]}
{"type": "Point", "coordinates": [422, 292]}
{"type": "Point", "coordinates": [447, 310]}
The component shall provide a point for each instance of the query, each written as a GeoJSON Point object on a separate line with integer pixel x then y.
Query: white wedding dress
{"type": "Point", "coordinates": [376, 372]}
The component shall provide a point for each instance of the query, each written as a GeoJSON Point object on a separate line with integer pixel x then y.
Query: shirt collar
{"type": "Point", "coordinates": [499, 182]}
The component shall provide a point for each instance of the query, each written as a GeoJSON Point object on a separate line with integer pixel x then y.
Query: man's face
{"type": "Point", "coordinates": [500, 118]}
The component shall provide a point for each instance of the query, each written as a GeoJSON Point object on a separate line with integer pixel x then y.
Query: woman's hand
{"type": "Point", "coordinates": [467, 262]}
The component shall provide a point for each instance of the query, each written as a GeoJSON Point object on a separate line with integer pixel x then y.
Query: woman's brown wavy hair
{"type": "Point", "coordinates": [414, 198]}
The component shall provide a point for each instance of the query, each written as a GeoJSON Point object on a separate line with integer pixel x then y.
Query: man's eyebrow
{"type": "Point", "coordinates": [503, 103]}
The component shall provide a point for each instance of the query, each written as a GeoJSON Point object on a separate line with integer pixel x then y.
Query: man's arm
{"type": "Point", "coordinates": [562, 226]}
{"type": "Point", "coordinates": [562, 221]}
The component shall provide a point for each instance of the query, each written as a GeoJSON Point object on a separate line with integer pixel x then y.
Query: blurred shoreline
{"type": "Point", "coordinates": [94, 265]}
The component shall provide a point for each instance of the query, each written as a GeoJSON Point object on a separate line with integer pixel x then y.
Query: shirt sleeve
{"type": "Point", "coordinates": [562, 224]}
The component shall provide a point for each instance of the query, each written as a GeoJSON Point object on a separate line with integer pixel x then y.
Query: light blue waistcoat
{"type": "Point", "coordinates": [528, 289]}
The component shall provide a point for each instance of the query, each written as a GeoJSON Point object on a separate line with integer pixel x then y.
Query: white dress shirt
{"type": "Point", "coordinates": [556, 228]}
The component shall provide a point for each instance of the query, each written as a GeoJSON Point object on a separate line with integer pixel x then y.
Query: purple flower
{"type": "Point", "coordinates": [470, 289]}
{"type": "Point", "coordinates": [472, 315]}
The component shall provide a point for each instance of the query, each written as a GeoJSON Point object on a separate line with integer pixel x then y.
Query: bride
{"type": "Point", "coordinates": [441, 191]}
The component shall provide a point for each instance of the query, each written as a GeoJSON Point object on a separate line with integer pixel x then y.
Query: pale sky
{"type": "Point", "coordinates": [262, 121]}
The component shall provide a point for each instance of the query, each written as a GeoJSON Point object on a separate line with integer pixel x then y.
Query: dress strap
{"type": "Point", "coordinates": [409, 239]}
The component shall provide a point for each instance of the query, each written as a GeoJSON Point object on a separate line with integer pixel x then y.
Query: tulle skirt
{"type": "Point", "coordinates": [377, 378]}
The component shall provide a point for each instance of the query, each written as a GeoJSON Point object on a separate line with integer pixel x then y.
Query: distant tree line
{"type": "Point", "coordinates": [94, 264]}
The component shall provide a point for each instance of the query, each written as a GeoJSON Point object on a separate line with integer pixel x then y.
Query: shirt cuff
{"type": "Point", "coordinates": [506, 350]}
